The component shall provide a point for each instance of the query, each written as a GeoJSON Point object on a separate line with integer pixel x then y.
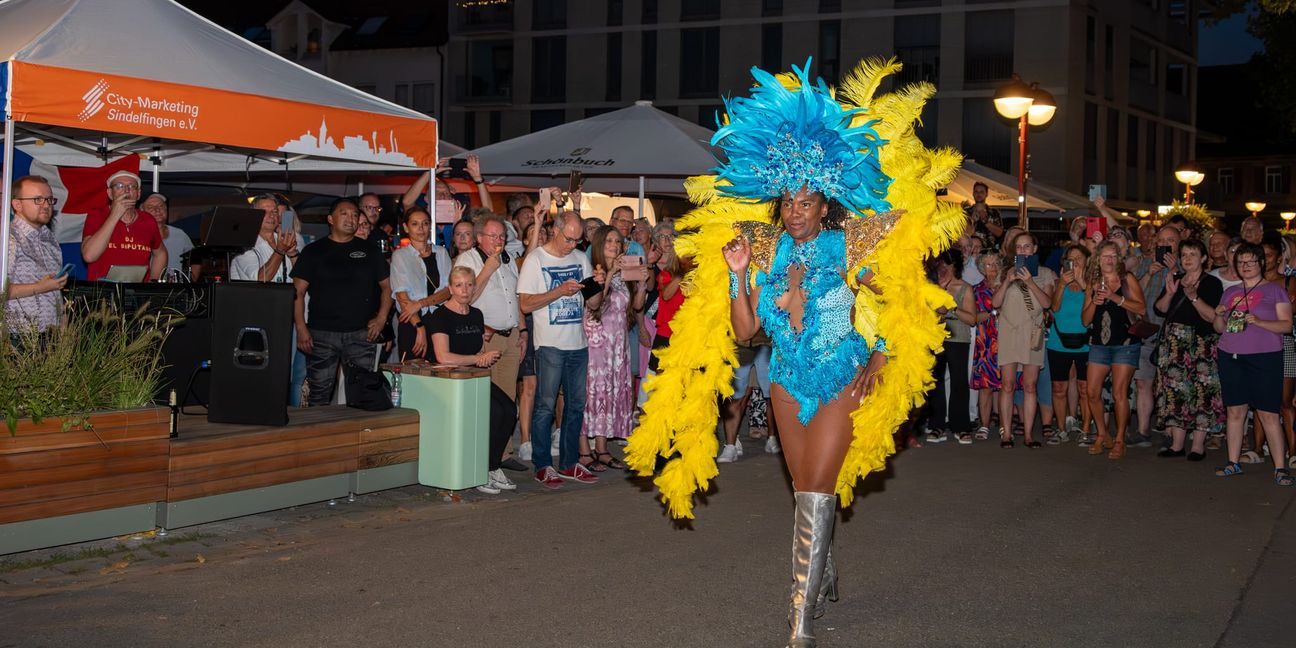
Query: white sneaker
{"type": "Point", "coordinates": [489, 488]}
{"type": "Point", "coordinates": [499, 480]}
{"type": "Point", "coordinates": [738, 446]}
{"type": "Point", "coordinates": [1073, 425]}
{"type": "Point", "coordinates": [727, 454]}
{"type": "Point", "coordinates": [524, 451]}
{"type": "Point", "coordinates": [772, 445]}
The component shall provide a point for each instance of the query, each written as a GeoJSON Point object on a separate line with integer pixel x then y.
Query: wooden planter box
{"type": "Point", "coordinates": [48, 474]}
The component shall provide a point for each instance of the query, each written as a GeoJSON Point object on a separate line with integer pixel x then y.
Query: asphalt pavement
{"type": "Point", "coordinates": [953, 546]}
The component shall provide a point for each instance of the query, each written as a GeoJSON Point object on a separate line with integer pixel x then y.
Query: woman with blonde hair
{"type": "Point", "coordinates": [1113, 299]}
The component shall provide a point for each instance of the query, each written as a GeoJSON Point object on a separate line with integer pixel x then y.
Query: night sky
{"type": "Point", "coordinates": [1227, 43]}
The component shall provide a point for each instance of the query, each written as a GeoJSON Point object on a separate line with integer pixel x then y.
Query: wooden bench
{"type": "Point", "coordinates": [217, 471]}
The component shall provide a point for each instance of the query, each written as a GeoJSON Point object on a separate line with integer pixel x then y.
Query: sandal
{"type": "Point", "coordinates": [1005, 440]}
{"type": "Point", "coordinates": [1251, 457]}
{"type": "Point", "coordinates": [611, 462]}
{"type": "Point", "coordinates": [1046, 431]}
{"type": "Point", "coordinates": [1032, 444]}
{"type": "Point", "coordinates": [983, 434]}
{"type": "Point", "coordinates": [1099, 444]}
{"type": "Point", "coordinates": [1282, 477]}
{"type": "Point", "coordinates": [1229, 469]}
{"type": "Point", "coordinates": [1117, 451]}
{"type": "Point", "coordinates": [594, 465]}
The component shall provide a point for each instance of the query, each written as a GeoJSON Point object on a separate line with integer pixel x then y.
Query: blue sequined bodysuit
{"type": "Point", "coordinates": [815, 364]}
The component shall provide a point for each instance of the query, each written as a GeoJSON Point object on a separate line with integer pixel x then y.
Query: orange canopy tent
{"type": "Point", "coordinates": [121, 77]}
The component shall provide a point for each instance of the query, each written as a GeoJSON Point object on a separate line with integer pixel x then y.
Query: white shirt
{"type": "Point", "coordinates": [176, 243]}
{"type": "Point", "coordinates": [557, 325]}
{"type": "Point", "coordinates": [498, 301]}
{"type": "Point", "coordinates": [247, 266]}
{"type": "Point", "coordinates": [512, 245]}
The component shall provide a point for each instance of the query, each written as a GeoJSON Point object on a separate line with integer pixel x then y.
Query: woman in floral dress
{"type": "Point", "coordinates": [609, 395]}
{"type": "Point", "coordinates": [985, 354]}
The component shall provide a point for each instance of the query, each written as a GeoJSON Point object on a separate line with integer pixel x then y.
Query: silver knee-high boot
{"type": "Point", "coordinates": [828, 586]}
{"type": "Point", "coordinates": [811, 539]}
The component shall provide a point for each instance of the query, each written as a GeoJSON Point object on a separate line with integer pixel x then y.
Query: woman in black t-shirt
{"type": "Point", "coordinates": [458, 333]}
{"type": "Point", "coordinates": [1187, 385]}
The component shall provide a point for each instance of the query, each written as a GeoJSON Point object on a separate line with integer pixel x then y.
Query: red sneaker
{"type": "Point", "coordinates": [549, 478]}
{"type": "Point", "coordinates": [578, 473]}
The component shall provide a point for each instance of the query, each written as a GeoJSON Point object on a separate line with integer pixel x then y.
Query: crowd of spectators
{"type": "Point", "coordinates": [1176, 338]}
{"type": "Point", "coordinates": [1171, 337]}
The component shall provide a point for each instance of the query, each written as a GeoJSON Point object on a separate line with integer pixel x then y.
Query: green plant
{"type": "Point", "coordinates": [99, 359]}
{"type": "Point", "coordinates": [1198, 219]}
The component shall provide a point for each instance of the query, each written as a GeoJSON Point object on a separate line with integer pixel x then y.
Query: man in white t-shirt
{"type": "Point", "coordinates": [271, 257]}
{"type": "Point", "coordinates": [553, 286]}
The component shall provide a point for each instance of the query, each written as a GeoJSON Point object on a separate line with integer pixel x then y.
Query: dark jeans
{"type": "Point", "coordinates": [955, 358]}
{"type": "Point", "coordinates": [566, 369]}
{"type": "Point", "coordinates": [503, 416]}
{"type": "Point", "coordinates": [329, 350]}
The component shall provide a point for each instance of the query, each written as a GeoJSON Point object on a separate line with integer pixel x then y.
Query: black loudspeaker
{"type": "Point", "coordinates": [251, 353]}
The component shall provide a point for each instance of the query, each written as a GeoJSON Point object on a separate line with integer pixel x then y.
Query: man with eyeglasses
{"type": "Point", "coordinates": [623, 220]}
{"type": "Point", "coordinates": [34, 259]}
{"type": "Point", "coordinates": [552, 286]}
{"type": "Point", "coordinates": [120, 234]}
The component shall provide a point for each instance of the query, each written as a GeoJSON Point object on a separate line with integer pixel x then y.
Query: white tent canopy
{"type": "Point", "coordinates": [624, 151]}
{"type": "Point", "coordinates": [1003, 191]}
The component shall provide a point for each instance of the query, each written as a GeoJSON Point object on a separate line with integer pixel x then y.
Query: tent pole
{"type": "Point", "coordinates": [641, 197]}
{"type": "Point", "coordinates": [4, 221]}
{"type": "Point", "coordinates": [359, 187]}
{"type": "Point", "coordinates": [157, 170]}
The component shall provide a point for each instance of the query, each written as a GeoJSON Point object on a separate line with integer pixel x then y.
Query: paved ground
{"type": "Point", "coordinates": [956, 546]}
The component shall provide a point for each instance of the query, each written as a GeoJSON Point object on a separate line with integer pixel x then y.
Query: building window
{"type": "Point", "coordinates": [987, 139]}
{"type": "Point", "coordinates": [548, 14]}
{"type": "Point", "coordinates": [549, 69]}
{"type": "Point", "coordinates": [830, 50]}
{"type": "Point", "coordinates": [367, 87]}
{"type": "Point", "coordinates": [1178, 10]}
{"type": "Point", "coordinates": [1090, 170]}
{"type": "Point", "coordinates": [1113, 176]}
{"type": "Point", "coordinates": [917, 43]}
{"type": "Point", "coordinates": [829, 6]}
{"type": "Point", "coordinates": [707, 115]}
{"type": "Point", "coordinates": [772, 46]}
{"type": "Point", "coordinates": [1109, 61]}
{"type": "Point", "coordinates": [1091, 53]}
{"type": "Point", "coordinates": [401, 96]}
{"type": "Point", "coordinates": [1132, 158]}
{"type": "Point", "coordinates": [1224, 176]}
{"type": "Point", "coordinates": [926, 128]}
{"type": "Point", "coordinates": [1143, 63]}
{"type": "Point", "coordinates": [615, 10]}
{"type": "Point", "coordinates": [613, 82]}
{"type": "Point", "coordinates": [481, 16]}
{"type": "Point", "coordinates": [648, 65]}
{"type": "Point", "coordinates": [490, 69]}
{"type": "Point", "coordinates": [425, 98]}
{"type": "Point", "coordinates": [495, 127]}
{"type": "Point", "coordinates": [542, 119]}
{"type": "Point", "coordinates": [700, 10]}
{"type": "Point", "coordinates": [988, 37]}
{"type": "Point", "coordinates": [1177, 79]}
{"type": "Point", "coordinates": [648, 15]}
{"type": "Point", "coordinates": [771, 7]}
{"type": "Point", "coordinates": [470, 129]}
{"type": "Point", "coordinates": [699, 62]}
{"type": "Point", "coordinates": [1273, 179]}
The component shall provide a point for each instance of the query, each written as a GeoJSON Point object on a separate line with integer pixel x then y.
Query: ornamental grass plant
{"type": "Point", "coordinates": [100, 359]}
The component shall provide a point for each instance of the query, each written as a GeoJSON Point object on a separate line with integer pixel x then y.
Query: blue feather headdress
{"type": "Point", "coordinates": [779, 140]}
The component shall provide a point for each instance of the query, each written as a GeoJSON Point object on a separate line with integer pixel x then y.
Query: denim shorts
{"type": "Point", "coordinates": [1126, 354]}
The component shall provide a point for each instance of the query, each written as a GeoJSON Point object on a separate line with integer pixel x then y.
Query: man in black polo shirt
{"type": "Point", "coordinates": [350, 299]}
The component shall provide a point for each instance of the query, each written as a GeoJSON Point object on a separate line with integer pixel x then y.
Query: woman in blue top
{"type": "Point", "coordinates": [1068, 342]}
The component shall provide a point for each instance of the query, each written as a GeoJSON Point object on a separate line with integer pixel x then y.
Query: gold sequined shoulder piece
{"type": "Point", "coordinates": [763, 238]}
{"type": "Point", "coordinates": [864, 234]}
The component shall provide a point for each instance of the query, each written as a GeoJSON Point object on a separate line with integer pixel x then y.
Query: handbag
{"type": "Point", "coordinates": [1143, 329]}
{"type": "Point", "coordinates": [367, 389]}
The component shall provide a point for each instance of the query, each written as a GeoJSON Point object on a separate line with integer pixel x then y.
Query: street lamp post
{"type": "Point", "coordinates": [1030, 106]}
{"type": "Point", "coordinates": [1191, 175]}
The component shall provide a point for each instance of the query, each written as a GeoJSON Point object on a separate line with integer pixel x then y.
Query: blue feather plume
{"type": "Point", "coordinates": [778, 141]}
